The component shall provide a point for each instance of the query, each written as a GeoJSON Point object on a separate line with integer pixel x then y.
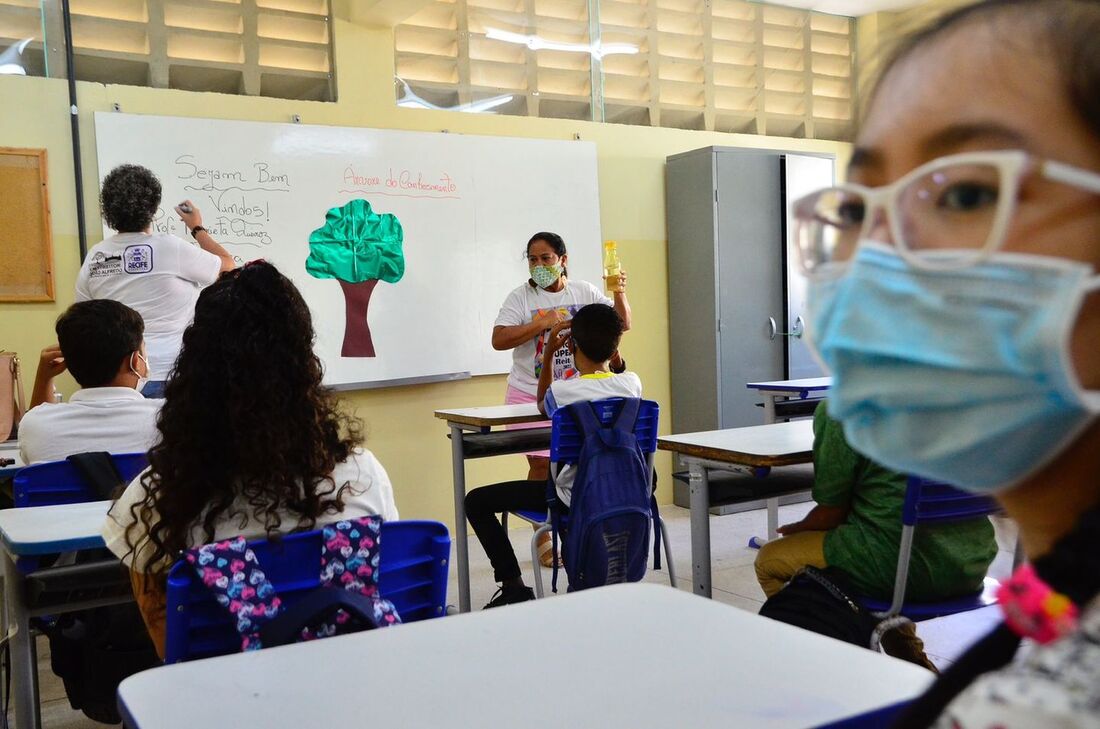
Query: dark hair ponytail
{"type": "Point", "coordinates": [1072, 568]}
{"type": "Point", "coordinates": [554, 241]}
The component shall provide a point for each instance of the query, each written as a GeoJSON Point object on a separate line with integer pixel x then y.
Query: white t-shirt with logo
{"type": "Point", "coordinates": [522, 306]}
{"type": "Point", "coordinates": [586, 388]}
{"type": "Point", "coordinates": [111, 419]}
{"type": "Point", "coordinates": [158, 276]}
{"type": "Point", "coordinates": [370, 492]}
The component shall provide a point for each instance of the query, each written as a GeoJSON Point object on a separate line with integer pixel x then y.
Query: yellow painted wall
{"type": "Point", "coordinates": [401, 428]}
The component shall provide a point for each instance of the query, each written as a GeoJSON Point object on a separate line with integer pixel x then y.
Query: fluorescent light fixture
{"type": "Point", "coordinates": [410, 100]}
{"type": "Point", "coordinates": [535, 43]}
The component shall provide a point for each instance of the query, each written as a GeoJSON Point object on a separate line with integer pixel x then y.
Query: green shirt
{"type": "Point", "coordinates": [948, 560]}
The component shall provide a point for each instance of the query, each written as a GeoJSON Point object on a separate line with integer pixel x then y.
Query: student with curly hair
{"type": "Point", "coordinates": [156, 274]}
{"type": "Point", "coordinates": [251, 443]}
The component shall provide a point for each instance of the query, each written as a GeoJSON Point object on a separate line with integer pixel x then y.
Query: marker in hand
{"type": "Point", "coordinates": [184, 207]}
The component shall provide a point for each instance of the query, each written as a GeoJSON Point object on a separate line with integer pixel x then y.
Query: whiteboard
{"type": "Point", "coordinates": [468, 205]}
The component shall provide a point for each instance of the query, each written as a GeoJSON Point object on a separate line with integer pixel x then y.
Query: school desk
{"type": "Point", "coordinates": [794, 389]}
{"type": "Point", "coordinates": [635, 656]}
{"type": "Point", "coordinates": [472, 436]}
{"type": "Point", "coordinates": [760, 447]}
{"type": "Point", "coordinates": [30, 532]}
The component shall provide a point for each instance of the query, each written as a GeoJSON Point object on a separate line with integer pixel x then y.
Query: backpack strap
{"type": "Point", "coordinates": [656, 531]}
{"type": "Point", "coordinates": [322, 606]}
{"type": "Point", "coordinates": [230, 570]}
{"type": "Point", "coordinates": [350, 555]}
{"type": "Point", "coordinates": [627, 418]}
{"type": "Point", "coordinates": [584, 413]}
{"type": "Point", "coordinates": [98, 469]}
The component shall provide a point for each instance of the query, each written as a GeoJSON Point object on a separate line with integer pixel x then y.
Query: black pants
{"type": "Point", "coordinates": [482, 506]}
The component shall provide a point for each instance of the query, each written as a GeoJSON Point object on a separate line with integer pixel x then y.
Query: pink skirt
{"type": "Point", "coordinates": [515, 396]}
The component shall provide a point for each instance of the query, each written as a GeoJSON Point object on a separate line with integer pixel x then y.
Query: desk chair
{"type": "Point", "coordinates": [62, 580]}
{"type": "Point", "coordinates": [412, 575]}
{"type": "Point", "coordinates": [932, 502]}
{"type": "Point", "coordinates": [59, 482]}
{"type": "Point", "coordinates": [565, 448]}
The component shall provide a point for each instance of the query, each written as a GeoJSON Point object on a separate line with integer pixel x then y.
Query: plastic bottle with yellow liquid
{"type": "Point", "coordinates": [611, 267]}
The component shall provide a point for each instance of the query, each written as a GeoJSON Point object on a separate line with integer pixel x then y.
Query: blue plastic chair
{"type": "Point", "coordinates": [932, 502]}
{"type": "Point", "coordinates": [412, 574]}
{"type": "Point", "coordinates": [59, 482]}
{"type": "Point", "coordinates": [565, 448]}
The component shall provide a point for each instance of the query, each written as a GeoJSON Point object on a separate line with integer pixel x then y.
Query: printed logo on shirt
{"type": "Point", "coordinates": [564, 369]}
{"type": "Point", "coordinates": [103, 265]}
{"type": "Point", "coordinates": [138, 259]}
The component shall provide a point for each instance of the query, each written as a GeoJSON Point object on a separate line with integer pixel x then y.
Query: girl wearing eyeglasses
{"type": "Point", "coordinates": [953, 298]}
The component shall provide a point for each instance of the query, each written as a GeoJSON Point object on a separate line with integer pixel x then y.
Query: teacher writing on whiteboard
{"type": "Point", "coordinates": [156, 274]}
{"type": "Point", "coordinates": [531, 310]}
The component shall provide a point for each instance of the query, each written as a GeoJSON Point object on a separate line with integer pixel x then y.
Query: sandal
{"type": "Point", "coordinates": [546, 551]}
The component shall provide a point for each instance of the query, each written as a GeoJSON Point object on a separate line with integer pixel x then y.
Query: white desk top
{"type": "Point", "coordinates": [777, 444]}
{"type": "Point", "coordinates": [488, 417]}
{"type": "Point", "coordinates": [812, 384]}
{"type": "Point", "coordinates": [631, 656]}
{"type": "Point", "coordinates": [51, 529]}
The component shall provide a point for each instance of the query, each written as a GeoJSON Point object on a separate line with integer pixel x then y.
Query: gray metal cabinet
{"type": "Point", "coordinates": [732, 275]}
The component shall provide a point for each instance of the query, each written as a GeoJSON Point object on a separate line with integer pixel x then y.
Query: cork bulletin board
{"type": "Point", "coordinates": [26, 244]}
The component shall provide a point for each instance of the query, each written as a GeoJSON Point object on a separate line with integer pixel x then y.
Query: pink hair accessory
{"type": "Point", "coordinates": [1033, 609]}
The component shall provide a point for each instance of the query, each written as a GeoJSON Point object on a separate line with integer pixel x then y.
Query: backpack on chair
{"type": "Point", "coordinates": [612, 506]}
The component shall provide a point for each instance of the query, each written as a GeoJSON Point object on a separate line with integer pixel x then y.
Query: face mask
{"type": "Point", "coordinates": [545, 276]}
{"type": "Point", "coordinates": [962, 376]}
{"type": "Point", "coordinates": [141, 381]}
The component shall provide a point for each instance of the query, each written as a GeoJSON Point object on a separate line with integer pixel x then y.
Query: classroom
{"type": "Point", "coordinates": [670, 339]}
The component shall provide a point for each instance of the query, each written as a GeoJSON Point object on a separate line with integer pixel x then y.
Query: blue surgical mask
{"type": "Point", "coordinates": [958, 375]}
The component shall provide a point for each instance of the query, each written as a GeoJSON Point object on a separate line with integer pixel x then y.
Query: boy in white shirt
{"type": "Point", "coordinates": [100, 343]}
{"type": "Point", "coordinates": [593, 337]}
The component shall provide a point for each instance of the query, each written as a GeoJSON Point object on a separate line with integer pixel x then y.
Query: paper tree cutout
{"type": "Point", "coordinates": [358, 247]}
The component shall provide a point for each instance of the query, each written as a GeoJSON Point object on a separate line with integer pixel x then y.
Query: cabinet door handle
{"type": "Point", "coordinates": [796, 332]}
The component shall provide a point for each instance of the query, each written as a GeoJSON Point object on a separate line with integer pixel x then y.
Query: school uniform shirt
{"type": "Point", "coordinates": [1053, 686]}
{"type": "Point", "coordinates": [948, 559]}
{"type": "Point", "coordinates": [111, 419]}
{"type": "Point", "coordinates": [522, 306]}
{"type": "Point", "coordinates": [586, 388]}
{"type": "Point", "coordinates": [370, 492]}
{"type": "Point", "coordinates": [157, 275]}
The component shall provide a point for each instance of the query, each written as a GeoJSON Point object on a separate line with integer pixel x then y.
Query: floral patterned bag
{"type": "Point", "coordinates": [347, 600]}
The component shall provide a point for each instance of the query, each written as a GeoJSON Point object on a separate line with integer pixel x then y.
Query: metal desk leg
{"type": "Point", "coordinates": [24, 669]}
{"type": "Point", "coordinates": [700, 529]}
{"type": "Point", "coordinates": [458, 462]}
{"type": "Point", "coordinates": [773, 518]}
{"type": "Point", "coordinates": [769, 408]}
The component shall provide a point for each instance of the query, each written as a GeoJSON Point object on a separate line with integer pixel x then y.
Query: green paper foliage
{"type": "Point", "coordinates": [357, 244]}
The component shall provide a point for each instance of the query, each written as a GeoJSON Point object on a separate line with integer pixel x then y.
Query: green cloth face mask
{"type": "Point", "coordinates": [545, 276]}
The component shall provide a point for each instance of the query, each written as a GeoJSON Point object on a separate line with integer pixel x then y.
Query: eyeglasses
{"type": "Point", "coordinates": [951, 213]}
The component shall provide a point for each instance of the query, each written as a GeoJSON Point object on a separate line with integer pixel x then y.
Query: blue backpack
{"type": "Point", "coordinates": [612, 506]}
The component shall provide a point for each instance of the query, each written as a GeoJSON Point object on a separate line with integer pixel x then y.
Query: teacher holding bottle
{"type": "Point", "coordinates": [528, 314]}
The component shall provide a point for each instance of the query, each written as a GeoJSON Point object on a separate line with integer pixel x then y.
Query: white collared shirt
{"type": "Point", "coordinates": [111, 419]}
